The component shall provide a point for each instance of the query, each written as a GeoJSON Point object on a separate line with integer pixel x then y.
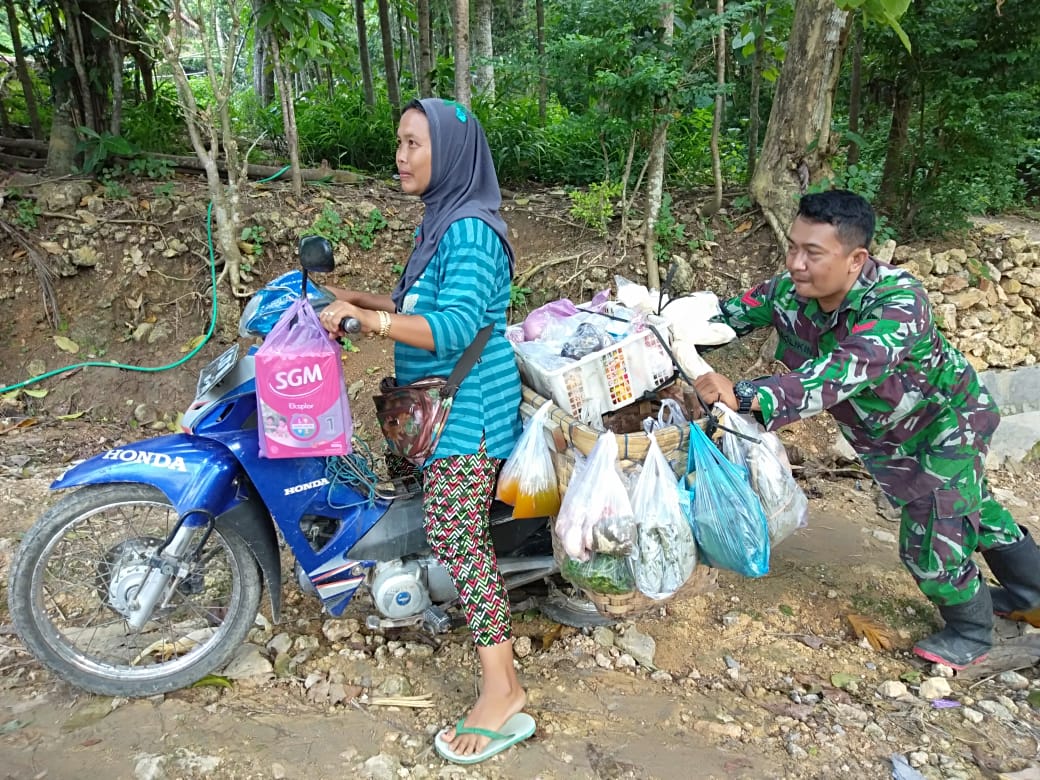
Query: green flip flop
{"type": "Point", "coordinates": [516, 729]}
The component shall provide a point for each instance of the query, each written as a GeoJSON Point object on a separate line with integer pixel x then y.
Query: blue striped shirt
{"type": "Point", "coordinates": [464, 288]}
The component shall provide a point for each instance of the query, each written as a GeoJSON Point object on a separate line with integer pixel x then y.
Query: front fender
{"type": "Point", "coordinates": [194, 473]}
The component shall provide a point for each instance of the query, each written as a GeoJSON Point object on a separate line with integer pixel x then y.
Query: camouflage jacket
{"type": "Point", "coordinates": [909, 403]}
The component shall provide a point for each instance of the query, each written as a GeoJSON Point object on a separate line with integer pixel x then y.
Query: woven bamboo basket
{"type": "Point", "coordinates": [572, 437]}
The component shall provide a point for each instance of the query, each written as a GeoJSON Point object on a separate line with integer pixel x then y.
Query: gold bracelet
{"type": "Point", "coordinates": [384, 323]}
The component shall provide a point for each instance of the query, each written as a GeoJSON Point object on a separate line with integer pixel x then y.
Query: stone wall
{"type": "Point", "coordinates": [986, 294]}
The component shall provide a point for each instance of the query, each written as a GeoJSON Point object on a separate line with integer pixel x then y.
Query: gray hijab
{"type": "Point", "coordinates": [462, 184]}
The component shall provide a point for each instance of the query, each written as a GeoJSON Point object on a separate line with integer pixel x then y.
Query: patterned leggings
{"type": "Point", "coordinates": [457, 497]}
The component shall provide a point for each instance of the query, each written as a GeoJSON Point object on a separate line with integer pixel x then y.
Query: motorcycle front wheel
{"type": "Point", "coordinates": [77, 571]}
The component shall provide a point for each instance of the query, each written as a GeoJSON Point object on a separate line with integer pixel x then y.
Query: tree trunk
{"type": "Point", "coordinates": [263, 75]}
{"type": "Point", "coordinates": [462, 88]}
{"type": "Point", "coordinates": [754, 112]}
{"type": "Point", "coordinates": [798, 142]}
{"type": "Point", "coordinates": [855, 94]}
{"type": "Point", "coordinates": [23, 71]}
{"type": "Point", "coordinates": [543, 76]}
{"type": "Point", "coordinates": [288, 100]}
{"type": "Point", "coordinates": [655, 166]}
{"type": "Point", "coordinates": [206, 141]}
{"type": "Point", "coordinates": [720, 106]}
{"type": "Point", "coordinates": [61, 149]}
{"type": "Point", "coordinates": [888, 199]}
{"type": "Point", "coordinates": [79, 64]}
{"type": "Point", "coordinates": [484, 49]}
{"type": "Point", "coordinates": [425, 49]}
{"type": "Point", "coordinates": [115, 51]}
{"type": "Point", "coordinates": [386, 33]}
{"type": "Point", "coordinates": [366, 64]}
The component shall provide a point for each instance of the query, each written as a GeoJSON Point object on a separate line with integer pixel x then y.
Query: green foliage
{"type": "Point", "coordinates": [669, 232]}
{"type": "Point", "coordinates": [150, 167]}
{"type": "Point", "coordinates": [255, 236]}
{"type": "Point", "coordinates": [98, 148]}
{"type": "Point", "coordinates": [346, 132]}
{"type": "Point", "coordinates": [26, 213]}
{"type": "Point", "coordinates": [331, 225]}
{"type": "Point", "coordinates": [164, 190]}
{"type": "Point", "coordinates": [595, 208]}
{"type": "Point", "coordinates": [112, 187]}
{"type": "Point", "coordinates": [518, 296]}
{"type": "Point", "coordinates": [156, 125]}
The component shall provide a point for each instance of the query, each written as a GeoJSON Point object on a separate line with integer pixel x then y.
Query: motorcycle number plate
{"type": "Point", "coordinates": [217, 370]}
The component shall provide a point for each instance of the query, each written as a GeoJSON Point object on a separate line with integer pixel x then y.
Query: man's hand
{"type": "Point", "coordinates": [715, 388]}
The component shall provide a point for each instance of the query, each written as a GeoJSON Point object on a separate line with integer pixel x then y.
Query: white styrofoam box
{"type": "Point", "coordinates": [605, 380]}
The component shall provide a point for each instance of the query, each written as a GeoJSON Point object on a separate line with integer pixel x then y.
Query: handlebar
{"type": "Point", "coordinates": [350, 325]}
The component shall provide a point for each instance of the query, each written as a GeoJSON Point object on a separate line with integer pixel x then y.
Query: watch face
{"type": "Point", "coordinates": [744, 389]}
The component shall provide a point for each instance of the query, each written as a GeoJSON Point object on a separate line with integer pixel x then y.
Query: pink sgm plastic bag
{"type": "Point", "coordinates": [301, 398]}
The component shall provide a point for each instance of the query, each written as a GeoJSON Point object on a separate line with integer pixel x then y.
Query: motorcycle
{"type": "Point", "coordinates": [149, 575]}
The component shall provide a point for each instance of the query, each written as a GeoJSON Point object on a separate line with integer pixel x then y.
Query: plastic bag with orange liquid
{"type": "Point", "coordinates": [528, 481]}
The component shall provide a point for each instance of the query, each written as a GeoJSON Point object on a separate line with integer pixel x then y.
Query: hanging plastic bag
{"type": "Point", "coordinates": [301, 397]}
{"type": "Point", "coordinates": [665, 553]}
{"type": "Point", "coordinates": [769, 472]}
{"type": "Point", "coordinates": [528, 481]}
{"type": "Point", "coordinates": [596, 513]}
{"type": "Point", "coordinates": [726, 515]}
{"type": "Point", "coordinates": [670, 413]}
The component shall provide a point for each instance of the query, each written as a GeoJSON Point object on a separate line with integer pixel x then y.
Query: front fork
{"type": "Point", "coordinates": [166, 570]}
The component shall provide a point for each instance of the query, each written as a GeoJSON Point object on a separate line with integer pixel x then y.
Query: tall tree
{"type": "Point", "coordinates": [656, 164]}
{"type": "Point", "coordinates": [798, 144]}
{"type": "Point", "coordinates": [484, 50]}
{"type": "Point", "coordinates": [462, 87]}
{"type": "Point", "coordinates": [263, 74]}
{"type": "Point", "coordinates": [28, 92]}
{"type": "Point", "coordinates": [425, 48]}
{"type": "Point", "coordinates": [386, 33]}
{"type": "Point", "coordinates": [366, 63]}
{"type": "Point", "coordinates": [543, 76]}
{"type": "Point", "coordinates": [210, 131]}
{"type": "Point", "coordinates": [720, 104]}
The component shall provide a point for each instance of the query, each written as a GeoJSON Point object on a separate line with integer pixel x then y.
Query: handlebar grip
{"type": "Point", "coordinates": [350, 325]}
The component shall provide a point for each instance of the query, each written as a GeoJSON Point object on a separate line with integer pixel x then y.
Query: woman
{"type": "Point", "coordinates": [456, 282]}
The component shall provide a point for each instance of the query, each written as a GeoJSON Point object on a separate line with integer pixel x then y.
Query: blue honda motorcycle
{"type": "Point", "coordinates": [149, 574]}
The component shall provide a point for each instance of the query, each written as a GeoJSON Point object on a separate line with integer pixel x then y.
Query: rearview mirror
{"type": "Point", "coordinates": [316, 255]}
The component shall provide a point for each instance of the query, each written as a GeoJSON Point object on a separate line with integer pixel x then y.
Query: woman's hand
{"type": "Point", "coordinates": [335, 312]}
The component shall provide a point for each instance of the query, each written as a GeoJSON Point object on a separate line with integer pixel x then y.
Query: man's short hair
{"type": "Point", "coordinates": [851, 215]}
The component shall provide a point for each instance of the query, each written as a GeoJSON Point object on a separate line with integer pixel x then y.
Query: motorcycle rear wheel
{"type": "Point", "coordinates": [78, 566]}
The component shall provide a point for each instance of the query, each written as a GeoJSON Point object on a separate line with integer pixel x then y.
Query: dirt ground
{"type": "Point", "coordinates": [761, 679]}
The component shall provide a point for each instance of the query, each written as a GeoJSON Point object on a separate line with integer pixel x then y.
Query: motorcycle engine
{"type": "Point", "coordinates": [399, 589]}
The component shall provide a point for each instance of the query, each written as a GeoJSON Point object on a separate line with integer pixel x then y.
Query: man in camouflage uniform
{"type": "Point", "coordinates": [861, 342]}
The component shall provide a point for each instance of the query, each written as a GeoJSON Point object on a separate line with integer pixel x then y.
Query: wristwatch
{"type": "Point", "coordinates": [745, 392]}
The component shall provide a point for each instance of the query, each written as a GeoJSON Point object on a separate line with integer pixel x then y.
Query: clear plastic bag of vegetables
{"type": "Point", "coordinates": [610, 575]}
{"type": "Point", "coordinates": [665, 553]}
{"type": "Point", "coordinates": [596, 513]}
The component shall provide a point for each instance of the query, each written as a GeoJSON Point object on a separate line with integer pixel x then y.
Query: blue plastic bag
{"type": "Point", "coordinates": [725, 513]}
{"type": "Point", "coordinates": [273, 300]}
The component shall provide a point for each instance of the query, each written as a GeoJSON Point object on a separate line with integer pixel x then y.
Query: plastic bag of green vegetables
{"type": "Point", "coordinates": [607, 574]}
{"type": "Point", "coordinates": [665, 553]}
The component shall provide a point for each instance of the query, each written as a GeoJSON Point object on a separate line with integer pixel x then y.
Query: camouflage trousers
{"type": "Point", "coordinates": [941, 530]}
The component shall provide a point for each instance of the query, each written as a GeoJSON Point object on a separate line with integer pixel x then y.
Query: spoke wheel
{"type": "Point", "coordinates": [75, 578]}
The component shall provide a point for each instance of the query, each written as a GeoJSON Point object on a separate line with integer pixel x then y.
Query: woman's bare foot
{"type": "Point", "coordinates": [501, 697]}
